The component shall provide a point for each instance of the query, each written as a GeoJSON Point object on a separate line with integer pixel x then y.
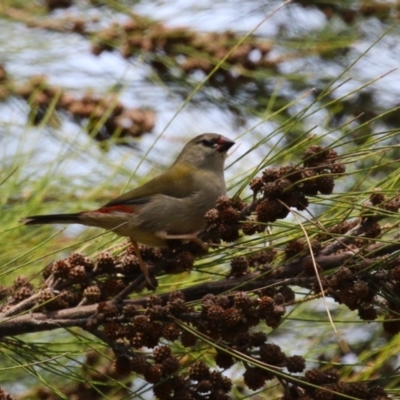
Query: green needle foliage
{"type": "Point", "coordinates": [297, 297]}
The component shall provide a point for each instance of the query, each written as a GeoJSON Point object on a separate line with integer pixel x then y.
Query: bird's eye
{"type": "Point", "coordinates": [208, 143]}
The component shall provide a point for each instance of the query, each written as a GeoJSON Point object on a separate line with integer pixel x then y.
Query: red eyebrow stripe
{"type": "Point", "coordinates": [114, 209]}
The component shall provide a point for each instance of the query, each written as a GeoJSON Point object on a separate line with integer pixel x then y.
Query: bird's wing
{"type": "Point", "coordinates": [176, 182]}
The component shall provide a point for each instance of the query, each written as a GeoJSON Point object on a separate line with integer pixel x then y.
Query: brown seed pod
{"type": "Point", "coordinates": [256, 184]}
{"type": "Point", "coordinates": [161, 353]}
{"type": "Point", "coordinates": [229, 215]}
{"type": "Point", "coordinates": [228, 233]}
{"type": "Point", "coordinates": [254, 378]}
{"type": "Point", "coordinates": [239, 266]}
{"type": "Point", "coordinates": [377, 197]}
{"type": "Point", "coordinates": [270, 175]}
{"type": "Point", "coordinates": [92, 294]}
{"type": "Point", "coordinates": [315, 155]}
{"type": "Point", "coordinates": [199, 371]}
{"type": "Point", "coordinates": [337, 169]}
{"type": "Point", "coordinates": [212, 216]}
{"type": "Point", "coordinates": [295, 364]}
{"type": "Point", "coordinates": [153, 373]}
{"type": "Point", "coordinates": [325, 184]}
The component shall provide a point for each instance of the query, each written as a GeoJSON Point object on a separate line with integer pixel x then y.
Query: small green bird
{"type": "Point", "coordinates": [169, 206]}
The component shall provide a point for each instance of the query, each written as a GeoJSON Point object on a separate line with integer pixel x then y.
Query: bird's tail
{"type": "Point", "coordinates": [52, 219]}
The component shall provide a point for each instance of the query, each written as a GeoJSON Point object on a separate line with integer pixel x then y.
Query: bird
{"type": "Point", "coordinates": [172, 205]}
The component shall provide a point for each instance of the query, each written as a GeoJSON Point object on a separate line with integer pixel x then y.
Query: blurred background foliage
{"type": "Point", "coordinates": [96, 96]}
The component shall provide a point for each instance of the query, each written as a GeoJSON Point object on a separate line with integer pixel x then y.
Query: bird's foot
{"type": "Point", "coordinates": [193, 237]}
{"type": "Point", "coordinates": [151, 280]}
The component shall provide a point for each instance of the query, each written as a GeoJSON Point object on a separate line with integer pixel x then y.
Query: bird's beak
{"type": "Point", "coordinates": [224, 144]}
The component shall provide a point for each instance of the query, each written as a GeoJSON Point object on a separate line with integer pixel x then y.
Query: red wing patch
{"type": "Point", "coordinates": [116, 209]}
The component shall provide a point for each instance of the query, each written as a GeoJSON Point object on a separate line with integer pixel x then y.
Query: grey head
{"type": "Point", "coordinates": [206, 151]}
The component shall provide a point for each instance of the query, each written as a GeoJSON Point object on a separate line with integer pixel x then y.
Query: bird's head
{"type": "Point", "coordinates": [206, 151]}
